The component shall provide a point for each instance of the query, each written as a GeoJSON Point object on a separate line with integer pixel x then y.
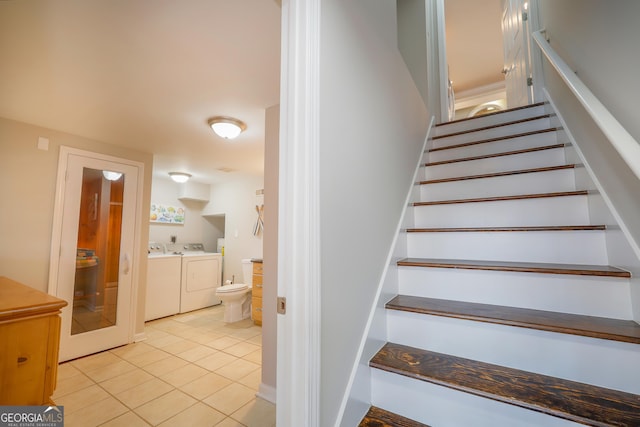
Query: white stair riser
{"type": "Point", "coordinates": [489, 120]}
{"type": "Point", "coordinates": [571, 357]}
{"type": "Point", "coordinates": [509, 185]}
{"type": "Point", "coordinates": [444, 407]}
{"type": "Point", "coordinates": [500, 146]}
{"type": "Point", "coordinates": [588, 295]}
{"type": "Point", "coordinates": [566, 247]}
{"type": "Point", "coordinates": [506, 213]}
{"type": "Point", "coordinates": [536, 159]}
{"type": "Point", "coordinates": [530, 126]}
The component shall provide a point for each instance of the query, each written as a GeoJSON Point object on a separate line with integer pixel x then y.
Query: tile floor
{"type": "Point", "coordinates": [192, 370]}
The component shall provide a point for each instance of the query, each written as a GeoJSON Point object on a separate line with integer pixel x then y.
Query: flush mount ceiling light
{"type": "Point", "coordinates": [226, 127]}
{"type": "Point", "coordinates": [180, 177]}
{"type": "Point", "coordinates": [111, 176]}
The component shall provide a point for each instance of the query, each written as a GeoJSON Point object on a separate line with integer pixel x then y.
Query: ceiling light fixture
{"type": "Point", "coordinates": [111, 176]}
{"type": "Point", "coordinates": [226, 127]}
{"type": "Point", "coordinates": [180, 177]}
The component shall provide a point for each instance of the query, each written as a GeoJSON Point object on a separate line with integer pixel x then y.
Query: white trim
{"type": "Point", "coordinates": [442, 62]}
{"type": "Point", "coordinates": [383, 278]}
{"type": "Point", "coordinates": [267, 393]}
{"type": "Point", "coordinates": [298, 362]}
{"type": "Point", "coordinates": [622, 141]}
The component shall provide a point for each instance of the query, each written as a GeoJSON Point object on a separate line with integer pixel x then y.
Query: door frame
{"type": "Point", "coordinates": [58, 211]}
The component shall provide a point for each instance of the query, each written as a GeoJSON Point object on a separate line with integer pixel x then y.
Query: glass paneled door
{"type": "Point", "coordinates": [97, 206]}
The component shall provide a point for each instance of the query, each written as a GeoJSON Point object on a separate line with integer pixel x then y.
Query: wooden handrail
{"type": "Point", "coordinates": [622, 141]}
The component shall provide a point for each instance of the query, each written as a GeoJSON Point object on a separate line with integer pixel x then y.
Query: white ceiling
{"type": "Point", "coordinates": [146, 74]}
{"type": "Point", "coordinates": [474, 43]}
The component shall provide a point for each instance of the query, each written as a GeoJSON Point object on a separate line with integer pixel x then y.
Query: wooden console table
{"type": "Point", "coordinates": [29, 343]}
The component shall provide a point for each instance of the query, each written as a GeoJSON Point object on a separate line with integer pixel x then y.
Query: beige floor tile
{"type": "Point", "coordinates": [229, 422]}
{"type": "Point", "coordinates": [67, 370]}
{"type": "Point", "coordinates": [204, 337]}
{"type": "Point", "coordinates": [95, 361]}
{"type": "Point", "coordinates": [197, 353]}
{"type": "Point", "coordinates": [128, 419]}
{"type": "Point", "coordinates": [148, 357]}
{"type": "Point", "coordinates": [130, 350]}
{"type": "Point", "coordinates": [180, 346]}
{"type": "Point", "coordinates": [165, 365]}
{"type": "Point", "coordinates": [237, 369]}
{"type": "Point", "coordinates": [95, 414]}
{"type": "Point", "coordinates": [164, 341]}
{"type": "Point", "coordinates": [245, 334]}
{"type": "Point", "coordinates": [143, 393]}
{"type": "Point", "coordinates": [125, 382]}
{"type": "Point", "coordinates": [222, 343]}
{"type": "Point", "coordinates": [241, 349]}
{"type": "Point", "coordinates": [113, 370]}
{"type": "Point", "coordinates": [205, 386]}
{"type": "Point", "coordinates": [80, 399]}
{"type": "Point", "coordinates": [184, 375]}
{"type": "Point", "coordinates": [152, 332]}
{"type": "Point", "coordinates": [198, 415]}
{"type": "Point", "coordinates": [257, 340]}
{"type": "Point", "coordinates": [231, 398]}
{"type": "Point", "coordinates": [252, 380]}
{"type": "Point", "coordinates": [256, 413]}
{"type": "Point", "coordinates": [165, 407]}
{"type": "Point", "coordinates": [71, 384]}
{"type": "Point", "coordinates": [215, 361]}
{"type": "Point", "coordinates": [171, 326]}
{"type": "Point", "coordinates": [254, 356]}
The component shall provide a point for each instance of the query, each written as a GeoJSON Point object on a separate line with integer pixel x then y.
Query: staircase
{"type": "Point", "coordinates": [507, 313]}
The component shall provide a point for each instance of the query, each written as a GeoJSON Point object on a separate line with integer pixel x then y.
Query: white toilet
{"type": "Point", "coordinates": [237, 296]}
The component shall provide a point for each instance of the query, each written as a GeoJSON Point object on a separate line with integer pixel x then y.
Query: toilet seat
{"type": "Point", "coordinates": [232, 288]}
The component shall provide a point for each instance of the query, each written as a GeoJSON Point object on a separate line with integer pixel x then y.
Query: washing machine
{"type": "Point", "coordinates": [163, 282]}
{"type": "Point", "coordinates": [201, 276]}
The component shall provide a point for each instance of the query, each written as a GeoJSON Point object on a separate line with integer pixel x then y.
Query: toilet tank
{"type": "Point", "coordinates": [247, 271]}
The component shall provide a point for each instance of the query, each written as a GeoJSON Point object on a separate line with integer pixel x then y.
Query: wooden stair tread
{"type": "Point", "coordinates": [574, 324]}
{"type": "Point", "coordinates": [522, 267]}
{"type": "Point", "coordinates": [498, 138]}
{"type": "Point", "coordinates": [508, 229]}
{"type": "Point", "coordinates": [497, 174]}
{"type": "Point", "coordinates": [504, 198]}
{"type": "Point", "coordinates": [579, 402]}
{"type": "Point", "coordinates": [498, 125]}
{"type": "Point", "coordinates": [501, 154]}
{"type": "Point", "coordinates": [466, 119]}
{"type": "Point", "coordinates": [377, 417]}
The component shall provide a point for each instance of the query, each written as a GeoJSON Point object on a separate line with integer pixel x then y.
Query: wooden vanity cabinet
{"type": "Point", "coordinates": [29, 344]}
{"type": "Point", "coordinates": [256, 292]}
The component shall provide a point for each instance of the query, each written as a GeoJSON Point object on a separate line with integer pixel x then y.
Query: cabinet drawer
{"type": "Point", "coordinates": [26, 376]}
{"type": "Point", "coordinates": [257, 268]}
{"type": "Point", "coordinates": [256, 310]}
{"type": "Point", "coordinates": [256, 279]}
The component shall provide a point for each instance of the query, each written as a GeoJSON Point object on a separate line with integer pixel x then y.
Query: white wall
{"type": "Point", "coordinates": [165, 191]}
{"type": "Point", "coordinates": [372, 126]}
{"type": "Point", "coordinates": [270, 257]}
{"type": "Point", "coordinates": [237, 199]}
{"type": "Point", "coordinates": [412, 41]}
{"type": "Point", "coordinates": [598, 40]}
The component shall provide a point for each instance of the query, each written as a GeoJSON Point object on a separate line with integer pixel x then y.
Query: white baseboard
{"type": "Point", "coordinates": [267, 393]}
